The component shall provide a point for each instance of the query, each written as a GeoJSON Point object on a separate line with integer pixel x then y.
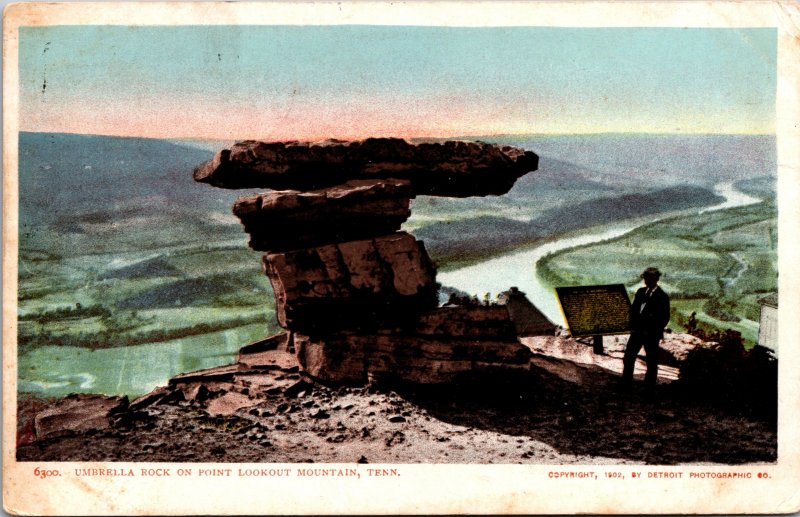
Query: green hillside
{"type": "Point", "coordinates": [717, 264]}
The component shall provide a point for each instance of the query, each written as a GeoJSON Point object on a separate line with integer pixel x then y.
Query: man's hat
{"type": "Point", "coordinates": [652, 271]}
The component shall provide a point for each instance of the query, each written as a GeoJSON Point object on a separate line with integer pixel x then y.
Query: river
{"type": "Point", "coordinates": [519, 268]}
{"type": "Point", "coordinates": [55, 371]}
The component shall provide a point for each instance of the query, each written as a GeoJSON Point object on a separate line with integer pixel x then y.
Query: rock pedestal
{"type": "Point", "coordinates": [358, 295]}
{"type": "Point", "coordinates": [442, 345]}
{"type": "Point", "coordinates": [358, 209]}
{"type": "Point", "coordinates": [352, 284]}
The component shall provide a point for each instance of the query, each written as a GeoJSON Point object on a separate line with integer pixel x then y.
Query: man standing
{"type": "Point", "coordinates": [649, 315]}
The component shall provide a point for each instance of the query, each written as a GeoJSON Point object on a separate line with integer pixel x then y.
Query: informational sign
{"type": "Point", "coordinates": [595, 310]}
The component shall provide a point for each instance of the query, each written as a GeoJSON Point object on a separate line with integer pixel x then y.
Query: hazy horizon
{"type": "Point", "coordinates": [456, 136]}
{"type": "Point", "coordinates": [354, 81]}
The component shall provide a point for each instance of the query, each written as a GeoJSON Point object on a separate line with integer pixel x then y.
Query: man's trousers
{"type": "Point", "coordinates": [651, 349]}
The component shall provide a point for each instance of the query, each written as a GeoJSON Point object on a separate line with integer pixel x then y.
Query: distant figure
{"type": "Point", "coordinates": [691, 326]}
{"type": "Point", "coordinates": [649, 315]}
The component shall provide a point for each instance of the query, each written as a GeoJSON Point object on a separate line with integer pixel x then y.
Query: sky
{"type": "Point", "coordinates": [353, 81]}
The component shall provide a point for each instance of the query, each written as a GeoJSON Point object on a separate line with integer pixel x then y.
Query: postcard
{"type": "Point", "coordinates": [401, 257]}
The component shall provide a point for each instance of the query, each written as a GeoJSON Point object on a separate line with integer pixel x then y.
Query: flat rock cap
{"type": "Point", "coordinates": [452, 168]}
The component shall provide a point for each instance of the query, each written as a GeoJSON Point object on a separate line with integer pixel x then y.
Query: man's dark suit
{"type": "Point", "coordinates": [649, 315]}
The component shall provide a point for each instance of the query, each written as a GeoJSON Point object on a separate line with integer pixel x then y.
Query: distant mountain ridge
{"type": "Point", "coordinates": [98, 191]}
{"type": "Point", "coordinates": [96, 194]}
{"type": "Point", "coordinates": [61, 175]}
{"type": "Point", "coordinates": [658, 160]}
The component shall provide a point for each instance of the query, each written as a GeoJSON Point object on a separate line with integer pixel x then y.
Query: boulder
{"type": "Point", "coordinates": [338, 359]}
{"type": "Point", "coordinates": [356, 358]}
{"type": "Point", "coordinates": [358, 209]}
{"type": "Point", "coordinates": [356, 284]}
{"type": "Point", "coordinates": [152, 398]}
{"type": "Point", "coordinates": [271, 353]}
{"type": "Point", "coordinates": [218, 373]}
{"type": "Point", "coordinates": [453, 168]}
{"type": "Point", "coordinates": [77, 413]}
{"type": "Point", "coordinates": [675, 348]}
{"type": "Point", "coordinates": [527, 318]}
{"type": "Point", "coordinates": [280, 341]}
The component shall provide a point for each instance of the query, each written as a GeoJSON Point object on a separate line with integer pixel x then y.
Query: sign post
{"type": "Point", "coordinates": [598, 345]}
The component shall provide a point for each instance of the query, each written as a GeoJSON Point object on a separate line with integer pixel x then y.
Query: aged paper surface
{"type": "Point", "coordinates": [48, 91]}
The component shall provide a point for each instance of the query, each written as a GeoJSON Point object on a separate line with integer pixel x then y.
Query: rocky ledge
{"type": "Point", "coordinates": [560, 406]}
